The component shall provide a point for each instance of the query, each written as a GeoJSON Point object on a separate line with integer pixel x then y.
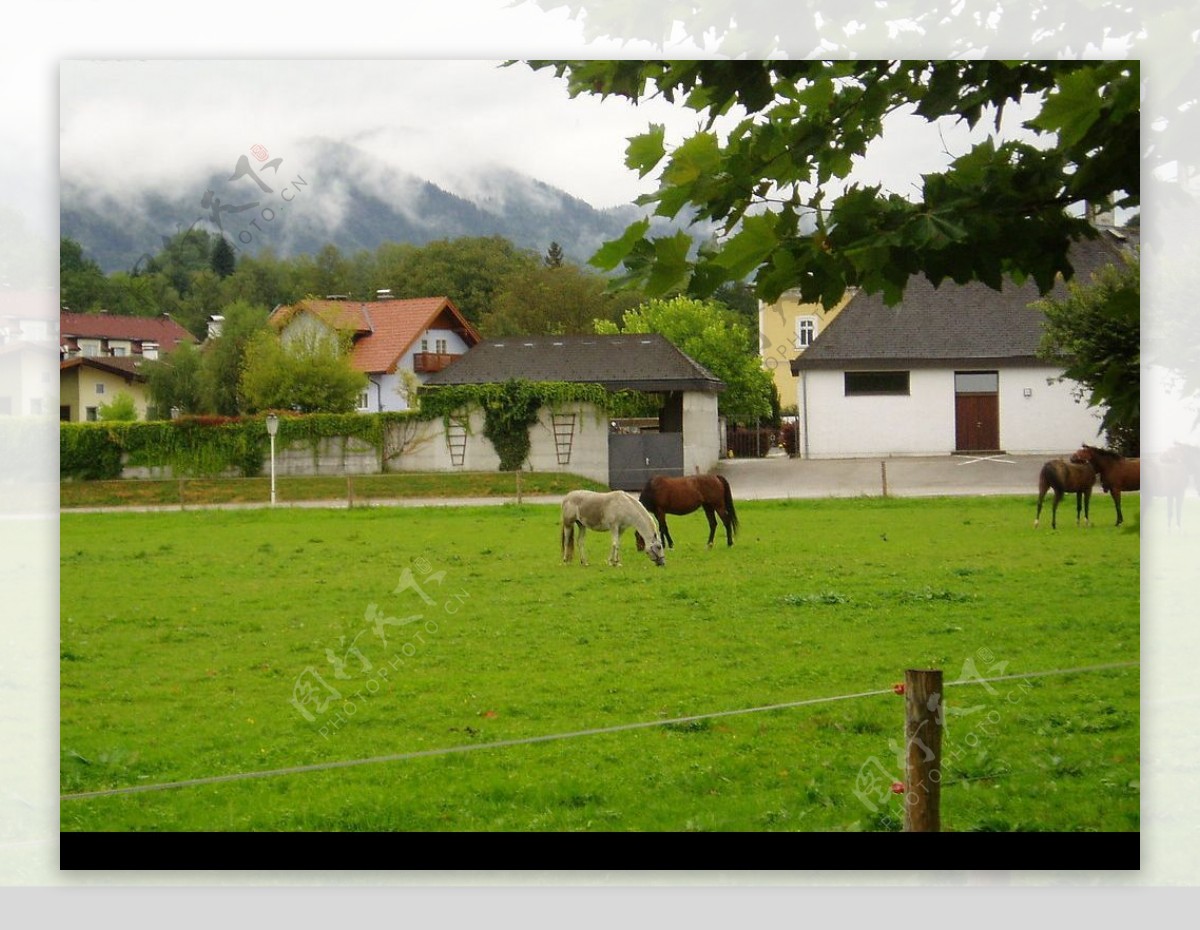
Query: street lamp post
{"type": "Point", "coordinates": [272, 429]}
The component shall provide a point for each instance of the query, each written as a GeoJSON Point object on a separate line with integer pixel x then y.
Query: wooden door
{"type": "Point", "coordinates": [977, 423]}
{"type": "Point", "coordinates": [976, 411]}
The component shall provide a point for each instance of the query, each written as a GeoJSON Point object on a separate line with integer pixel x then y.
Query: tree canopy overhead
{"type": "Point", "coordinates": [999, 209]}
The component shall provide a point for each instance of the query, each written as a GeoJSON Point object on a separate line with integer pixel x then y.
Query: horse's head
{"type": "Point", "coordinates": [655, 551]}
{"type": "Point", "coordinates": [1085, 456]}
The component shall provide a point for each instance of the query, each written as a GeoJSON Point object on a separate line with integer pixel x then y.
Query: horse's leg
{"type": "Point", "coordinates": [1116, 496]}
{"type": "Point", "coordinates": [1058, 496]}
{"type": "Point", "coordinates": [724, 514]}
{"type": "Point", "coordinates": [614, 555]}
{"type": "Point", "coordinates": [1078, 506]}
{"type": "Point", "coordinates": [712, 524]}
{"type": "Point", "coordinates": [1041, 497]}
{"type": "Point", "coordinates": [568, 540]}
{"type": "Point", "coordinates": [1087, 504]}
{"type": "Point", "coordinates": [582, 551]}
{"type": "Point", "coordinates": [666, 534]}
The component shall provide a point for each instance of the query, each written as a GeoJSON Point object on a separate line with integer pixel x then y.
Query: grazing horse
{"type": "Point", "coordinates": [614, 510]}
{"type": "Point", "coordinates": [680, 496]}
{"type": "Point", "coordinates": [1116, 472]}
{"type": "Point", "coordinates": [1063, 477]}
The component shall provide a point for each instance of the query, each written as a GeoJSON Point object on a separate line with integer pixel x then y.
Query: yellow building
{"type": "Point", "coordinates": [785, 329]}
{"type": "Point", "coordinates": [87, 383]}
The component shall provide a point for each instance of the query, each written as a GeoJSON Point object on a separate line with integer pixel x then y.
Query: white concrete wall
{"type": "Point", "coordinates": [701, 433]}
{"type": "Point", "coordinates": [922, 423]}
{"type": "Point", "coordinates": [589, 444]}
{"type": "Point", "coordinates": [424, 446]}
{"type": "Point", "coordinates": [1049, 420]}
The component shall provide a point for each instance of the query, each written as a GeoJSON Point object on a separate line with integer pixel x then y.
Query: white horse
{"type": "Point", "coordinates": [614, 510]}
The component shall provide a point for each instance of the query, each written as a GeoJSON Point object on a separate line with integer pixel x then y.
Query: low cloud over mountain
{"type": "Point", "coordinates": [331, 192]}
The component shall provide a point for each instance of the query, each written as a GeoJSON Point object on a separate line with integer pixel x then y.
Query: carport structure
{"type": "Point", "coordinates": [688, 436]}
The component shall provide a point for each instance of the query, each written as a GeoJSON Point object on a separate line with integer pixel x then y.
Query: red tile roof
{"type": "Point", "coordinates": [383, 330]}
{"type": "Point", "coordinates": [160, 329]}
{"type": "Point", "coordinates": [127, 366]}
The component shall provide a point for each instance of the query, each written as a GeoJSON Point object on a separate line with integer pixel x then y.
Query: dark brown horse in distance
{"type": "Point", "coordinates": [1116, 472]}
{"type": "Point", "coordinates": [663, 495]}
{"type": "Point", "coordinates": [1064, 477]}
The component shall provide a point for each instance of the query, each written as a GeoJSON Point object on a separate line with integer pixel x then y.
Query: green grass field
{"type": "Point", "coordinates": [204, 644]}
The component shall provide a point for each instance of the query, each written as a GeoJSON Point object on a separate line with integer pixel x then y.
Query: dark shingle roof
{"type": "Point", "coordinates": [642, 362]}
{"type": "Point", "coordinates": [951, 323]}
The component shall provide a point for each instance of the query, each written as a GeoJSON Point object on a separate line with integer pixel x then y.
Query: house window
{"type": "Point", "coordinates": [119, 351]}
{"type": "Point", "coordinates": [364, 400]}
{"type": "Point", "coordinates": [91, 414]}
{"type": "Point", "coordinates": [440, 347]}
{"type": "Point", "coordinates": [89, 348]}
{"type": "Point", "coordinates": [424, 345]}
{"type": "Point", "coordinates": [860, 383]}
{"type": "Point", "coordinates": [150, 350]}
{"type": "Point", "coordinates": [806, 331]}
{"type": "Point", "coordinates": [976, 382]}
{"type": "Point", "coordinates": [99, 388]}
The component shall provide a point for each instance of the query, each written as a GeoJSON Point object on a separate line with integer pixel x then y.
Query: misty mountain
{"type": "Point", "coordinates": [332, 192]}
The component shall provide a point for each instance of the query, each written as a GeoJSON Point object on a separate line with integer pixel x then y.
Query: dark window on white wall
{"type": "Point", "coordinates": [976, 382]}
{"type": "Point", "coordinates": [876, 382]}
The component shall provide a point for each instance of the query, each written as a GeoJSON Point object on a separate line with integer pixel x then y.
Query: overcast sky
{"type": "Point", "coordinates": [128, 124]}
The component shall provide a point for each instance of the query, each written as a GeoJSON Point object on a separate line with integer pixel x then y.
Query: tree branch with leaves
{"type": "Point", "coordinates": [1000, 209]}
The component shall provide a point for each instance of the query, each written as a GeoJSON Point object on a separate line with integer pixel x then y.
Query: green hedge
{"type": "Point", "coordinates": [204, 446]}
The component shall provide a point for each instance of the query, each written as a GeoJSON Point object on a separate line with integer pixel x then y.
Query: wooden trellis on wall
{"type": "Point", "coordinates": [564, 436]}
{"type": "Point", "coordinates": [456, 442]}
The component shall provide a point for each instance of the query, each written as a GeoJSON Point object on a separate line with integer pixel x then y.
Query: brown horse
{"type": "Point", "coordinates": [1116, 472]}
{"type": "Point", "coordinates": [1063, 477]}
{"type": "Point", "coordinates": [680, 496]}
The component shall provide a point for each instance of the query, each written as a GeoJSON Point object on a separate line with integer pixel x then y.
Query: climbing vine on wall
{"type": "Point", "coordinates": [207, 445]}
{"type": "Point", "coordinates": [511, 407]}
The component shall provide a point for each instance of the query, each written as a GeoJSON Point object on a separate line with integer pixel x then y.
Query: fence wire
{"type": "Point", "coordinates": [554, 737]}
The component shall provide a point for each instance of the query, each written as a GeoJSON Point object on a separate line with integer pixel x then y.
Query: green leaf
{"type": "Point", "coordinates": [1072, 109]}
{"type": "Point", "coordinates": [670, 268]}
{"type": "Point", "coordinates": [646, 151]}
{"type": "Point", "coordinates": [698, 156]}
{"type": "Point", "coordinates": [752, 246]}
{"type": "Point", "coordinates": [611, 254]}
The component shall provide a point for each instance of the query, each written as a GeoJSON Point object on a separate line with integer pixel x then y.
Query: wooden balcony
{"type": "Point", "coordinates": [429, 362]}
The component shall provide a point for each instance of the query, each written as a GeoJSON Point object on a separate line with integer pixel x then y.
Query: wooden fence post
{"type": "Point", "coordinates": [518, 485]}
{"type": "Point", "coordinates": [923, 717]}
{"type": "Point", "coordinates": [349, 490]}
{"type": "Point", "coordinates": [883, 474]}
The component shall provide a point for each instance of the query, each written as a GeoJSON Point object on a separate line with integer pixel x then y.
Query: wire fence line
{"type": "Point", "coordinates": [554, 737]}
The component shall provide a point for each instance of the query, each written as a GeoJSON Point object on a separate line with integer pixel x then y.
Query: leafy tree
{"type": "Point", "coordinates": [220, 371]}
{"type": "Point", "coordinates": [174, 382]}
{"type": "Point", "coordinates": [311, 376]}
{"type": "Point", "coordinates": [467, 270]}
{"type": "Point", "coordinates": [998, 209]}
{"type": "Point", "coordinates": [712, 335]}
{"type": "Point", "coordinates": [223, 262]}
{"type": "Point", "coordinates": [545, 300]}
{"type": "Point", "coordinates": [182, 255]}
{"type": "Point", "coordinates": [263, 280]}
{"type": "Point", "coordinates": [1095, 331]}
{"type": "Point", "coordinates": [554, 256]}
{"type": "Point", "coordinates": [82, 285]}
{"type": "Point", "coordinates": [121, 407]}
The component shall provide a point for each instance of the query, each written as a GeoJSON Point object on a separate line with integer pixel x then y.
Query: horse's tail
{"type": "Point", "coordinates": [1052, 477]}
{"type": "Point", "coordinates": [733, 517]}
